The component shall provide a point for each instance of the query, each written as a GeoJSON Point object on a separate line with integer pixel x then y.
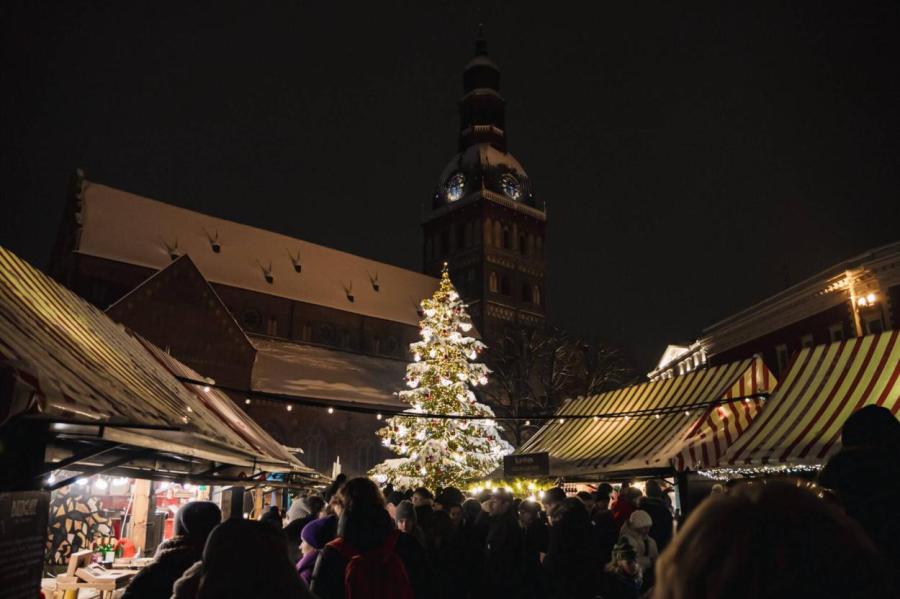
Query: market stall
{"type": "Point", "coordinates": [87, 406]}
{"type": "Point", "coordinates": [801, 424]}
{"type": "Point", "coordinates": [637, 430]}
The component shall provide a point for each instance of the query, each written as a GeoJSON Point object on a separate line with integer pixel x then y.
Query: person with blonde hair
{"type": "Point", "coordinates": [770, 539]}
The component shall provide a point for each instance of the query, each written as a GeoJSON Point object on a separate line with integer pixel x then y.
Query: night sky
{"type": "Point", "coordinates": [693, 158]}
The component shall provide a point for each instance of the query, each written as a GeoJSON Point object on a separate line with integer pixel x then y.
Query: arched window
{"type": "Point", "coordinates": [530, 249]}
{"type": "Point", "coordinates": [376, 345]}
{"type": "Point", "coordinates": [504, 284]}
{"type": "Point", "coordinates": [492, 282]}
{"type": "Point", "coordinates": [526, 292]}
{"type": "Point", "coordinates": [488, 229]}
{"type": "Point", "coordinates": [272, 327]}
{"type": "Point", "coordinates": [523, 244]}
{"type": "Point", "coordinates": [498, 234]}
{"type": "Point", "coordinates": [507, 238]}
{"type": "Point", "coordinates": [536, 295]}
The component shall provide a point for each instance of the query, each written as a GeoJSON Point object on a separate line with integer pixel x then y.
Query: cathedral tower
{"type": "Point", "coordinates": [485, 220]}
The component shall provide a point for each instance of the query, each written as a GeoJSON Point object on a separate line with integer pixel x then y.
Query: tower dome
{"type": "Point", "coordinates": [483, 162]}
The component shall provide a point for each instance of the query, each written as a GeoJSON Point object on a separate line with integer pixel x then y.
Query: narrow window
{"type": "Point", "coordinates": [526, 293]}
{"type": "Point", "coordinates": [536, 295]}
{"type": "Point", "coordinates": [492, 282]}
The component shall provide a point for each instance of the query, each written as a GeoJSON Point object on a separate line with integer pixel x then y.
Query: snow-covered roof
{"type": "Point", "coordinates": [328, 375]}
{"type": "Point", "coordinates": [125, 227]}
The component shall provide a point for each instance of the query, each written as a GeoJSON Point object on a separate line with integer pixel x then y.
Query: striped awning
{"type": "Point", "coordinates": [85, 368]}
{"type": "Point", "coordinates": [663, 416]}
{"type": "Point", "coordinates": [802, 421]}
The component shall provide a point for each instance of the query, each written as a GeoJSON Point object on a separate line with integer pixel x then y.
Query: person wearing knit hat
{"type": "Point", "coordinates": [310, 506]}
{"type": "Point", "coordinates": [622, 578]}
{"type": "Point", "coordinates": [408, 521]}
{"type": "Point", "coordinates": [637, 532]}
{"type": "Point", "coordinates": [315, 536]}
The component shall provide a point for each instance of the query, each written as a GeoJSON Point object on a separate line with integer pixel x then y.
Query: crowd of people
{"type": "Point", "coordinates": [764, 538]}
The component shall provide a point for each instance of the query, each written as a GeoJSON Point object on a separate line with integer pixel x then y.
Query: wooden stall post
{"type": "Point", "coordinates": [140, 512]}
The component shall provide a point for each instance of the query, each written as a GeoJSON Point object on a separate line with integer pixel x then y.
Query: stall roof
{"type": "Point", "coordinates": [328, 375]}
{"type": "Point", "coordinates": [87, 369]}
{"type": "Point", "coordinates": [802, 421]}
{"type": "Point", "coordinates": [651, 441]}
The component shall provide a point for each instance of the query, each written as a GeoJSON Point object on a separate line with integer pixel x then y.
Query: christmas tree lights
{"type": "Point", "coordinates": [439, 452]}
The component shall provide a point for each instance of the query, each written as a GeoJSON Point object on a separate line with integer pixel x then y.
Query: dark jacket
{"type": "Point", "coordinates": [606, 533]}
{"type": "Point", "coordinates": [619, 586]}
{"type": "Point", "coordinates": [156, 580]}
{"type": "Point", "coordinates": [661, 530]}
{"type": "Point", "coordinates": [328, 576]}
{"type": "Point", "coordinates": [569, 563]}
{"type": "Point", "coordinates": [504, 553]}
{"type": "Point", "coordinates": [536, 540]}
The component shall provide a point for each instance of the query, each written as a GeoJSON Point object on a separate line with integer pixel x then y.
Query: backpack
{"type": "Point", "coordinates": [376, 574]}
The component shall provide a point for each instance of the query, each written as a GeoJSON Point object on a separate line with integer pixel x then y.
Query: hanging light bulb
{"type": "Point", "coordinates": [528, 423]}
{"type": "Point", "coordinates": [101, 484]}
{"type": "Point", "coordinates": [290, 407]}
{"type": "Point", "coordinates": [247, 401]}
{"type": "Point", "coordinates": [378, 416]}
{"type": "Point", "coordinates": [331, 410]}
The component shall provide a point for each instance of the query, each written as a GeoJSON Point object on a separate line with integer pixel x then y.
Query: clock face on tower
{"type": "Point", "coordinates": [455, 186]}
{"type": "Point", "coordinates": [511, 187]}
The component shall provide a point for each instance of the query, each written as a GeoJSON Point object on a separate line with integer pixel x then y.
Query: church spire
{"type": "Point", "coordinates": [480, 42]}
{"type": "Point", "coordinates": [482, 109]}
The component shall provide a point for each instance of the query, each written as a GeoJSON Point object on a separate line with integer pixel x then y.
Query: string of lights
{"type": "Point", "coordinates": [750, 471]}
{"type": "Point", "coordinates": [384, 412]}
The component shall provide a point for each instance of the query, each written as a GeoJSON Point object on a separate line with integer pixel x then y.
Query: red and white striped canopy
{"type": "Point", "coordinates": [801, 422]}
{"type": "Point", "coordinates": [678, 420]}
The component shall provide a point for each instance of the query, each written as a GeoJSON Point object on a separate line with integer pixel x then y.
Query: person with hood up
{"type": "Point", "coordinates": [655, 505]}
{"type": "Point", "coordinates": [193, 523]}
{"type": "Point", "coordinates": [637, 532]}
{"type": "Point", "coordinates": [314, 537]}
{"type": "Point", "coordinates": [622, 577]}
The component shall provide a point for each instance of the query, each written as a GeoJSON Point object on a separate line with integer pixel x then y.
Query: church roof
{"type": "Point", "coordinates": [128, 228]}
{"type": "Point", "coordinates": [328, 375]}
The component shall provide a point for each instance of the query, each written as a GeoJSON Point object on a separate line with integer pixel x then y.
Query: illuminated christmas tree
{"type": "Point", "coordinates": [438, 452]}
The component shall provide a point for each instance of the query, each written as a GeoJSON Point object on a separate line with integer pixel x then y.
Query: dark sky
{"type": "Point", "coordinates": [693, 158]}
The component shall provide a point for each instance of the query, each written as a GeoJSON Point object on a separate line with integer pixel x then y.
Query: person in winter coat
{"type": "Point", "coordinates": [864, 474]}
{"type": "Point", "coordinates": [622, 577]}
{"type": "Point", "coordinates": [537, 539]}
{"type": "Point", "coordinates": [244, 558]}
{"type": "Point", "coordinates": [606, 532]}
{"type": "Point", "coordinates": [272, 517]}
{"type": "Point", "coordinates": [569, 562]}
{"type": "Point", "coordinates": [504, 549]}
{"type": "Point", "coordinates": [314, 537]}
{"type": "Point", "coordinates": [655, 505]}
{"type": "Point", "coordinates": [472, 536]}
{"type": "Point", "coordinates": [366, 526]}
{"type": "Point", "coordinates": [302, 512]}
{"type": "Point", "coordinates": [637, 531]}
{"type": "Point", "coordinates": [193, 523]}
{"type": "Point", "coordinates": [408, 522]}
{"type": "Point", "coordinates": [624, 504]}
